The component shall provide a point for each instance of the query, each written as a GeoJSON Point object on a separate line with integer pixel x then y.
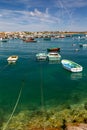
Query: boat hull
{"type": "Point", "coordinates": [41, 56]}
{"type": "Point", "coordinates": [12, 59]}
{"type": "Point", "coordinates": [30, 41]}
{"type": "Point", "coordinates": [52, 56]}
{"type": "Point", "coordinates": [53, 49]}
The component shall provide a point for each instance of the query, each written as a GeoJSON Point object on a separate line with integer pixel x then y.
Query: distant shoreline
{"type": "Point", "coordinates": [40, 34]}
{"type": "Point", "coordinates": [73, 32]}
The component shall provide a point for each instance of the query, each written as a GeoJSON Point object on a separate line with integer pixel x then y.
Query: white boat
{"type": "Point", "coordinates": [53, 56]}
{"type": "Point", "coordinates": [41, 56]}
{"type": "Point", "coordinates": [12, 59]}
{"type": "Point", "coordinates": [3, 39]}
{"type": "Point", "coordinates": [83, 45]}
{"type": "Point", "coordinates": [71, 66]}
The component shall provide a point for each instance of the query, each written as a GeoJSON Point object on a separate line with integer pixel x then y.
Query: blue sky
{"type": "Point", "coordinates": [43, 15]}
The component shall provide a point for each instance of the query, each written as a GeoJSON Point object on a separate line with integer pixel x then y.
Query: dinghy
{"type": "Point", "coordinates": [12, 59]}
{"type": "Point", "coordinates": [71, 66]}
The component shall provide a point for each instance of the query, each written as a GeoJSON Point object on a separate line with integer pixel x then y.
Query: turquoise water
{"type": "Point", "coordinates": [42, 82]}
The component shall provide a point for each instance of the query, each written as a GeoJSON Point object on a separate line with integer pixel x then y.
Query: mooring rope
{"type": "Point", "coordinates": [42, 97]}
{"type": "Point", "coordinates": [41, 85]}
{"type": "Point", "coordinates": [16, 104]}
{"type": "Point", "coordinates": [4, 67]}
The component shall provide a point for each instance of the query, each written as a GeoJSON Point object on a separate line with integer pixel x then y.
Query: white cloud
{"type": "Point", "coordinates": [70, 3]}
{"type": "Point", "coordinates": [36, 19]}
{"type": "Point", "coordinates": [23, 20]}
{"type": "Point", "coordinates": [47, 4]}
{"type": "Point", "coordinates": [27, 16]}
{"type": "Point", "coordinates": [54, 3]}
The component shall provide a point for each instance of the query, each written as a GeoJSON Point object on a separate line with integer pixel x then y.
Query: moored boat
{"type": "Point", "coordinates": [71, 66]}
{"type": "Point", "coordinates": [3, 39]}
{"type": "Point", "coordinates": [12, 59]}
{"type": "Point", "coordinates": [41, 56]}
{"type": "Point", "coordinates": [47, 38]}
{"type": "Point", "coordinates": [83, 45]}
{"type": "Point", "coordinates": [53, 49]}
{"type": "Point", "coordinates": [29, 40]}
{"type": "Point", "coordinates": [53, 56]}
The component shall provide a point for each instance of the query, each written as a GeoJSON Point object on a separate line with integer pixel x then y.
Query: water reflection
{"type": "Point", "coordinates": [76, 76]}
{"type": "Point", "coordinates": [55, 62]}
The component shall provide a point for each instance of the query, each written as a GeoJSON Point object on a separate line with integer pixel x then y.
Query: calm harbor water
{"type": "Point", "coordinates": [42, 82]}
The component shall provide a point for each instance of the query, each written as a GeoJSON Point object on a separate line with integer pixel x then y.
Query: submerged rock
{"type": "Point", "coordinates": [77, 127]}
{"type": "Point", "coordinates": [85, 105]}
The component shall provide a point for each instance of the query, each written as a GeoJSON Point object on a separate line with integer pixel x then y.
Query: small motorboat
{"type": "Point", "coordinates": [12, 59]}
{"type": "Point", "coordinates": [53, 56]}
{"type": "Point", "coordinates": [29, 40]}
{"type": "Point", "coordinates": [83, 45]}
{"type": "Point", "coordinates": [53, 49]}
{"type": "Point", "coordinates": [71, 66]}
{"type": "Point", "coordinates": [41, 56]}
{"type": "Point", "coordinates": [3, 39]}
{"type": "Point", "coordinates": [47, 38]}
